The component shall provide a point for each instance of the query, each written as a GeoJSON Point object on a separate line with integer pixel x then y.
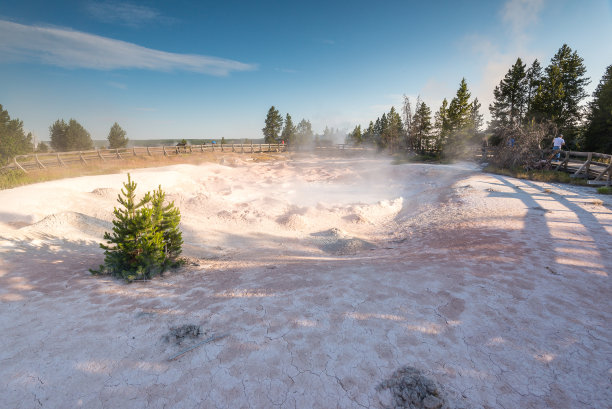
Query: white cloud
{"type": "Point", "coordinates": [127, 14]}
{"type": "Point", "coordinates": [74, 49]}
{"type": "Point", "coordinates": [520, 14]}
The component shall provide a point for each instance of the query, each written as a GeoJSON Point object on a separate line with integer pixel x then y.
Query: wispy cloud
{"type": "Point", "coordinates": [126, 14]}
{"type": "Point", "coordinates": [75, 49]}
{"type": "Point", "coordinates": [521, 13]}
{"type": "Point", "coordinates": [517, 17]}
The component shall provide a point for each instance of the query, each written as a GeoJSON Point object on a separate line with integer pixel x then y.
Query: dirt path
{"type": "Point", "coordinates": [328, 276]}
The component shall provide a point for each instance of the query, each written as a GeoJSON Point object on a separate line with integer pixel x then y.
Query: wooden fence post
{"type": "Point", "coordinates": [83, 161]}
{"type": "Point", "coordinates": [18, 165]}
{"type": "Point", "coordinates": [149, 152]}
{"type": "Point", "coordinates": [39, 163]}
{"type": "Point", "coordinates": [588, 164]}
{"type": "Point", "coordinates": [100, 156]}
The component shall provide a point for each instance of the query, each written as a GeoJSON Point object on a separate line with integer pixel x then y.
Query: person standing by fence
{"type": "Point", "coordinates": [558, 142]}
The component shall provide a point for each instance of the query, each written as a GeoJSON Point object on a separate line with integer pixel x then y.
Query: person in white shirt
{"type": "Point", "coordinates": [558, 142]}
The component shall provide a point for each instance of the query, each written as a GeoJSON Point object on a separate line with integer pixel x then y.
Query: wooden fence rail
{"type": "Point", "coordinates": [593, 166]}
{"type": "Point", "coordinates": [596, 167]}
{"type": "Point", "coordinates": [58, 159]}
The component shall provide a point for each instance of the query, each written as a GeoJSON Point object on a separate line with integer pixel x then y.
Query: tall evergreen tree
{"type": "Point", "coordinates": [117, 137]}
{"type": "Point", "coordinates": [13, 140]}
{"type": "Point", "coordinates": [421, 127]}
{"type": "Point", "coordinates": [442, 125]}
{"type": "Point", "coordinates": [476, 119]}
{"type": "Point", "coordinates": [561, 92]}
{"type": "Point", "coordinates": [288, 133]}
{"type": "Point", "coordinates": [598, 133]}
{"type": "Point", "coordinates": [274, 123]}
{"type": "Point", "coordinates": [510, 104]}
{"type": "Point", "coordinates": [369, 135]}
{"type": "Point", "coordinates": [459, 110]}
{"type": "Point", "coordinates": [533, 80]}
{"type": "Point", "coordinates": [393, 130]}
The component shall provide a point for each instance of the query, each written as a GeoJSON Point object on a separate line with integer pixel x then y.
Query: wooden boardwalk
{"type": "Point", "coordinates": [596, 167]}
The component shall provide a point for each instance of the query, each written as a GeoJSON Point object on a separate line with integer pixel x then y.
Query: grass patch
{"type": "Point", "coordinates": [605, 190]}
{"type": "Point", "coordinates": [550, 176]}
{"type": "Point", "coordinates": [15, 177]}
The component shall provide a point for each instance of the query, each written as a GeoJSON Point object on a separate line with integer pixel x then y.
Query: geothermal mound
{"type": "Point", "coordinates": [336, 241]}
{"type": "Point", "coordinates": [411, 389]}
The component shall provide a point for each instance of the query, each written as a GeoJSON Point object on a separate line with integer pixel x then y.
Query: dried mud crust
{"type": "Point", "coordinates": [480, 292]}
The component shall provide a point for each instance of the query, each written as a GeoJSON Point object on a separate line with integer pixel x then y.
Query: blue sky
{"type": "Point", "coordinates": [186, 69]}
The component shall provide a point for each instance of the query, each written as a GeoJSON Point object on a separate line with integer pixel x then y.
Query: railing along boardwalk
{"type": "Point", "coordinates": [593, 166]}
{"type": "Point", "coordinates": [596, 167]}
{"type": "Point", "coordinates": [36, 161]}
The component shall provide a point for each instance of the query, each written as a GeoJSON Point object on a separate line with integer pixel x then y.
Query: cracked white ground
{"type": "Point", "coordinates": [328, 275]}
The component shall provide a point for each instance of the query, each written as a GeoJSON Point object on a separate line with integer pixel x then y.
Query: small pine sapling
{"type": "Point", "coordinates": [167, 218]}
{"type": "Point", "coordinates": [145, 240]}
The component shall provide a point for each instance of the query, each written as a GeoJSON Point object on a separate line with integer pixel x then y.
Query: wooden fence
{"type": "Point", "coordinates": [593, 166]}
{"type": "Point", "coordinates": [596, 167]}
{"type": "Point", "coordinates": [58, 159]}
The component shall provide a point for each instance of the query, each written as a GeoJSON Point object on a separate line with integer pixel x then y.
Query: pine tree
{"type": "Point", "coordinates": [355, 137]}
{"type": "Point", "coordinates": [391, 130]}
{"type": "Point", "coordinates": [459, 110]}
{"type": "Point", "coordinates": [369, 136]}
{"type": "Point", "coordinates": [69, 136]}
{"type": "Point", "coordinates": [288, 133]}
{"type": "Point", "coordinates": [303, 132]}
{"type": "Point", "coordinates": [421, 127]}
{"type": "Point", "coordinates": [145, 239]}
{"type": "Point", "coordinates": [510, 104]}
{"type": "Point", "coordinates": [598, 133]}
{"type": "Point", "coordinates": [561, 91]}
{"type": "Point", "coordinates": [533, 79]}
{"type": "Point", "coordinates": [116, 137]}
{"type": "Point", "coordinates": [274, 123]}
{"type": "Point", "coordinates": [442, 125]}
{"type": "Point", "coordinates": [42, 147]}
{"type": "Point", "coordinates": [167, 217]}
{"type": "Point", "coordinates": [13, 140]}
{"type": "Point", "coordinates": [476, 119]}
